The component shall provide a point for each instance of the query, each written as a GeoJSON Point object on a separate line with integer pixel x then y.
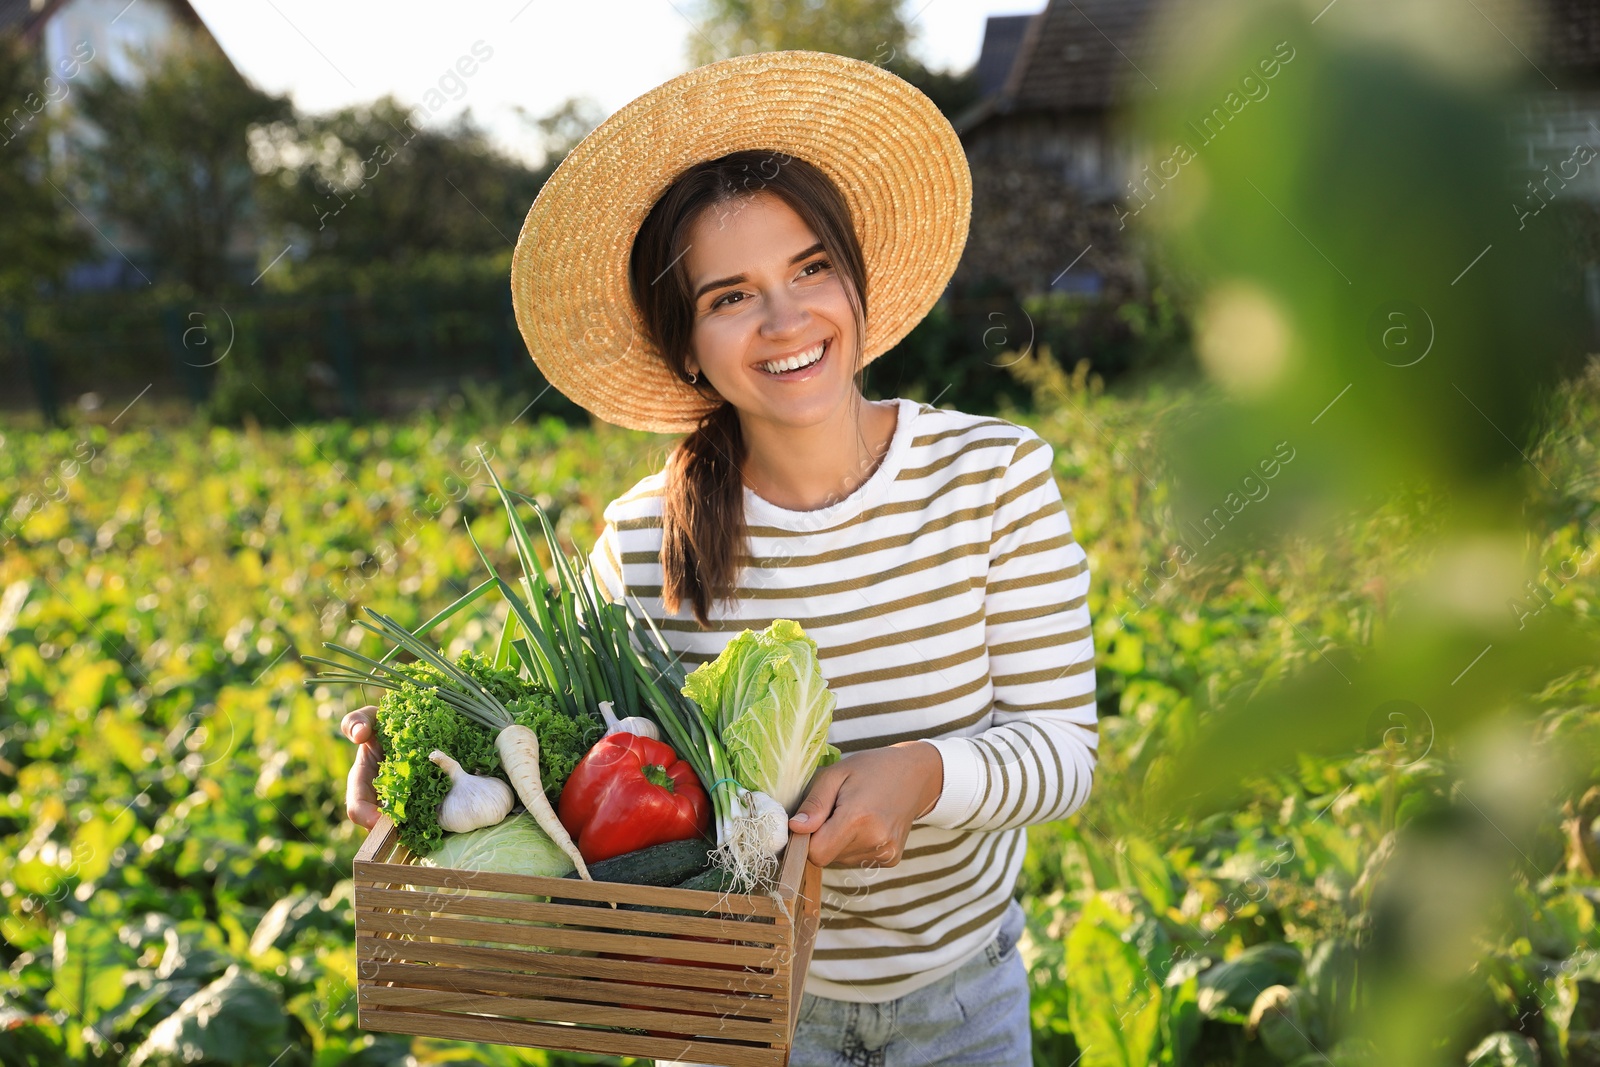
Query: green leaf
{"type": "Point", "coordinates": [551, 658]}
{"type": "Point", "coordinates": [87, 966]}
{"type": "Point", "coordinates": [519, 532]}
{"type": "Point", "coordinates": [1559, 926]}
{"type": "Point", "coordinates": [1100, 867]}
{"type": "Point", "coordinates": [1281, 1020]}
{"type": "Point", "coordinates": [504, 649]}
{"type": "Point", "coordinates": [1142, 865]}
{"type": "Point", "coordinates": [282, 921]}
{"type": "Point", "coordinates": [1229, 989]}
{"type": "Point", "coordinates": [1504, 1049]}
{"type": "Point", "coordinates": [1114, 1005]}
{"type": "Point", "coordinates": [490, 710]}
{"type": "Point", "coordinates": [1126, 655]}
{"type": "Point", "coordinates": [1331, 980]}
{"type": "Point", "coordinates": [448, 613]}
{"type": "Point", "coordinates": [238, 1019]}
{"type": "Point", "coordinates": [625, 653]}
{"type": "Point", "coordinates": [530, 655]}
{"type": "Point", "coordinates": [553, 667]}
{"type": "Point", "coordinates": [1180, 1022]}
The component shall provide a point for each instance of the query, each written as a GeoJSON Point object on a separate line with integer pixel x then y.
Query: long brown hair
{"type": "Point", "coordinates": [703, 529]}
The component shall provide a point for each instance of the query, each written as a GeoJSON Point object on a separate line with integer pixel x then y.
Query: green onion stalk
{"type": "Point", "coordinates": [579, 644]}
{"type": "Point", "coordinates": [575, 642]}
{"type": "Point", "coordinates": [684, 723]}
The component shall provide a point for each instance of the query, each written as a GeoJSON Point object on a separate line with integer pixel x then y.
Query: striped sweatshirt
{"type": "Point", "coordinates": [948, 600]}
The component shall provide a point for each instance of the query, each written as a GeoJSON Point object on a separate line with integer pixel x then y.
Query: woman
{"type": "Point", "coordinates": [703, 263]}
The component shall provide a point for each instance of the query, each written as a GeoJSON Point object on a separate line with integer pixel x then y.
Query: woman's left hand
{"type": "Point", "coordinates": [860, 809]}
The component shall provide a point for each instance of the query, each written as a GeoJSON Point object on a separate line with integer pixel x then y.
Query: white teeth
{"type": "Point", "coordinates": [810, 356]}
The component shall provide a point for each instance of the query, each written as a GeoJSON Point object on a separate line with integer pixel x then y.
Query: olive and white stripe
{"type": "Point", "coordinates": [948, 599]}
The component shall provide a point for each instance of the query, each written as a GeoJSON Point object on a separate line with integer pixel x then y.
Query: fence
{"type": "Point", "coordinates": [287, 358]}
{"type": "Point", "coordinates": [309, 357]}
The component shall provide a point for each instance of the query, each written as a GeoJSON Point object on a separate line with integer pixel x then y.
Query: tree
{"type": "Point", "coordinates": [167, 157]}
{"type": "Point", "coordinates": [38, 227]}
{"type": "Point", "coordinates": [869, 30]}
{"type": "Point", "coordinates": [369, 183]}
{"type": "Point", "coordinates": [562, 129]}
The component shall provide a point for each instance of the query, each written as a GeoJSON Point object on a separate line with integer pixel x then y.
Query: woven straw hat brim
{"type": "Point", "coordinates": [893, 155]}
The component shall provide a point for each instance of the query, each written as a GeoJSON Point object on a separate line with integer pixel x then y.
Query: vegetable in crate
{"type": "Point", "coordinates": [629, 792]}
{"type": "Point", "coordinates": [666, 864]}
{"type": "Point", "coordinates": [474, 801]}
{"type": "Point", "coordinates": [766, 699]}
{"type": "Point", "coordinates": [512, 846]}
{"type": "Point", "coordinates": [633, 724]}
{"type": "Point", "coordinates": [422, 713]}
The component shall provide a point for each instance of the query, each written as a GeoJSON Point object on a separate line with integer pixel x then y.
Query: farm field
{"type": "Point", "coordinates": [173, 848]}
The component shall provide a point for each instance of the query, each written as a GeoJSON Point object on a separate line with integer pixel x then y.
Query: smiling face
{"type": "Point", "coordinates": [765, 293]}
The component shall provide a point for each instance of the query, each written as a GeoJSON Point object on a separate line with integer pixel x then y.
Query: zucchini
{"type": "Point", "coordinates": [710, 879]}
{"type": "Point", "coordinates": [713, 880]}
{"type": "Point", "coordinates": [664, 865]}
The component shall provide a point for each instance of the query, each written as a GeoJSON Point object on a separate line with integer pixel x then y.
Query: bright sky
{"type": "Point", "coordinates": [328, 55]}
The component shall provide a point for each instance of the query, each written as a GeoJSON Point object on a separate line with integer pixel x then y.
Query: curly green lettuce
{"type": "Point", "coordinates": [413, 721]}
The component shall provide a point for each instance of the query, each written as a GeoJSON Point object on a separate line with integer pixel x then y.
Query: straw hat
{"type": "Point", "coordinates": [894, 157]}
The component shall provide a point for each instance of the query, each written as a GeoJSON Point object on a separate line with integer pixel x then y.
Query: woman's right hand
{"type": "Point", "coordinates": [360, 796]}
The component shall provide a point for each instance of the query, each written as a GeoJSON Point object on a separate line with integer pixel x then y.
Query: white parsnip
{"type": "Point", "coordinates": [519, 754]}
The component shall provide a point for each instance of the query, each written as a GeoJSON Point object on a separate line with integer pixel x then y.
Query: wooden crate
{"type": "Point", "coordinates": [572, 972]}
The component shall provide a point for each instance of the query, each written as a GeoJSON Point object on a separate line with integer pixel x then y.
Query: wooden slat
{"type": "Point", "coordinates": [808, 916]}
{"type": "Point", "coordinates": [399, 875]}
{"type": "Point", "coordinates": [748, 1002]}
{"type": "Point", "coordinates": [380, 841]}
{"type": "Point", "coordinates": [428, 904]}
{"type": "Point", "coordinates": [568, 1039]}
{"type": "Point", "coordinates": [385, 950]}
{"type": "Point", "coordinates": [574, 940]}
{"type": "Point", "coordinates": [544, 987]}
{"type": "Point", "coordinates": [670, 1022]}
{"type": "Point", "coordinates": [793, 868]}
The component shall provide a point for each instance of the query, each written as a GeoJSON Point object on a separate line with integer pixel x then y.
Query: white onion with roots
{"type": "Point", "coordinates": [749, 843]}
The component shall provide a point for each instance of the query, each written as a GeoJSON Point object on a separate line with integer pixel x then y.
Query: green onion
{"type": "Point", "coordinates": [574, 641]}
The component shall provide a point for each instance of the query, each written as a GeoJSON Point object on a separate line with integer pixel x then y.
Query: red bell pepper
{"type": "Point", "coordinates": [630, 792]}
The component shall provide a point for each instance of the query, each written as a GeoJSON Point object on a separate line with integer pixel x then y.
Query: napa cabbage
{"type": "Point", "coordinates": [766, 698]}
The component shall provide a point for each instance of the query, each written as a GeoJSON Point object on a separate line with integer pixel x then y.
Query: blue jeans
{"type": "Point", "coordinates": [976, 1016]}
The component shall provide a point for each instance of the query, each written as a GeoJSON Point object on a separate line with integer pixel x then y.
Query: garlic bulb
{"type": "Point", "coordinates": [633, 724]}
{"type": "Point", "coordinates": [474, 801]}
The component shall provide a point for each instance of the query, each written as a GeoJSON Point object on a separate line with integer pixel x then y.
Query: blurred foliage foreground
{"type": "Point", "coordinates": [1343, 604]}
{"type": "Point", "coordinates": [175, 861]}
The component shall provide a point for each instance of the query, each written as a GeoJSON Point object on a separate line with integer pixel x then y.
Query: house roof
{"type": "Point", "coordinates": [1065, 57]}
{"type": "Point", "coordinates": [1091, 54]}
{"type": "Point", "coordinates": [1002, 36]}
{"type": "Point", "coordinates": [1076, 53]}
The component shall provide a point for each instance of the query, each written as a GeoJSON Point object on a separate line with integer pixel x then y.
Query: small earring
{"type": "Point", "coordinates": [694, 376]}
